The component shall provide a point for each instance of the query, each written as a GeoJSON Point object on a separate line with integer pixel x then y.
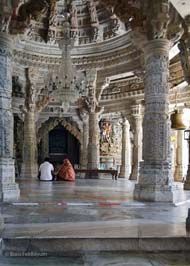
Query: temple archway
{"type": "Point", "coordinates": [63, 144]}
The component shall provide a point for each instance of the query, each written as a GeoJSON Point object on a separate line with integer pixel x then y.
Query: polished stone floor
{"type": "Point", "coordinates": [93, 210]}
{"type": "Point", "coordinates": [93, 205]}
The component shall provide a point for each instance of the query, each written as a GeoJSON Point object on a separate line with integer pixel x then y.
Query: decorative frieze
{"type": "Point", "coordinates": [38, 57]}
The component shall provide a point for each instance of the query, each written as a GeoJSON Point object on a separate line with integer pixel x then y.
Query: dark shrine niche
{"type": "Point", "coordinates": [62, 144]}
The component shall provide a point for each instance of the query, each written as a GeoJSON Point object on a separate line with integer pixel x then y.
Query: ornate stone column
{"type": "Point", "coordinates": [45, 145]}
{"type": "Point", "coordinates": [10, 189]}
{"type": "Point", "coordinates": [84, 145]}
{"type": "Point", "coordinates": [93, 141]}
{"type": "Point", "coordinates": [94, 112]}
{"type": "Point", "coordinates": [137, 146]}
{"type": "Point", "coordinates": [125, 152]}
{"type": "Point", "coordinates": [155, 180]}
{"type": "Point", "coordinates": [178, 175]}
{"type": "Point", "coordinates": [31, 109]}
{"type": "Point", "coordinates": [187, 181]}
{"type": "Point", "coordinates": [29, 166]}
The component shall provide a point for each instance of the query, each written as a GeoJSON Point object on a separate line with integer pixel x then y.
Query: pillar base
{"type": "Point", "coordinates": [122, 175]}
{"type": "Point", "coordinates": [156, 193]}
{"type": "Point", "coordinates": [135, 173]}
{"type": "Point", "coordinates": [92, 175]}
{"type": "Point", "coordinates": [187, 185]}
{"type": "Point", "coordinates": [178, 175]}
{"type": "Point", "coordinates": [29, 171]}
{"type": "Point", "coordinates": [10, 190]}
{"type": "Point", "coordinates": [107, 162]}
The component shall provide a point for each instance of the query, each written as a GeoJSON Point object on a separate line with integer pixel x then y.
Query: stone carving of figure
{"type": "Point", "coordinates": [185, 63]}
{"type": "Point", "coordinates": [30, 90]}
{"type": "Point", "coordinates": [92, 10]}
{"type": "Point", "coordinates": [106, 128]}
{"type": "Point", "coordinates": [4, 24]}
{"type": "Point", "coordinates": [73, 16]}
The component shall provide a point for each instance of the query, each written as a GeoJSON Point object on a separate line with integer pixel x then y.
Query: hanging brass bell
{"type": "Point", "coordinates": [177, 120]}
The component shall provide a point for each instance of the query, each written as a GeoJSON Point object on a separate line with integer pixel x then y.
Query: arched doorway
{"type": "Point", "coordinates": [63, 144]}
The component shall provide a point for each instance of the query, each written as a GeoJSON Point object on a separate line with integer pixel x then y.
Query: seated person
{"type": "Point", "coordinates": [66, 171]}
{"type": "Point", "coordinates": [46, 171]}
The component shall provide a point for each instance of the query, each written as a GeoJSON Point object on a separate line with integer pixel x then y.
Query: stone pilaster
{"type": "Point", "coordinates": [178, 175]}
{"type": "Point", "coordinates": [10, 189]}
{"type": "Point", "coordinates": [29, 165]}
{"type": "Point", "coordinates": [137, 146]}
{"type": "Point", "coordinates": [155, 178]}
{"type": "Point", "coordinates": [93, 143]}
{"type": "Point", "coordinates": [125, 152]}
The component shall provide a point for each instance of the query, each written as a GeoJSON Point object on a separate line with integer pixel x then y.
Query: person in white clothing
{"type": "Point", "coordinates": [46, 171]}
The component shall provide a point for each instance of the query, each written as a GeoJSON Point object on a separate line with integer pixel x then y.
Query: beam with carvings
{"type": "Point", "coordinates": [96, 56]}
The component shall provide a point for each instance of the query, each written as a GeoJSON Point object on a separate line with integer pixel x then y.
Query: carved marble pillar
{"type": "Point", "coordinates": [45, 145]}
{"type": "Point", "coordinates": [125, 154]}
{"type": "Point", "coordinates": [187, 180]}
{"type": "Point", "coordinates": [32, 107]}
{"type": "Point", "coordinates": [84, 145]}
{"type": "Point", "coordinates": [155, 178]}
{"type": "Point", "coordinates": [29, 165]}
{"type": "Point", "coordinates": [94, 111]}
{"type": "Point", "coordinates": [9, 188]}
{"type": "Point", "coordinates": [93, 143]}
{"type": "Point", "coordinates": [137, 146]}
{"type": "Point", "coordinates": [178, 175]}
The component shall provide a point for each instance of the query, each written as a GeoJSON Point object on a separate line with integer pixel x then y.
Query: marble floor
{"type": "Point", "coordinates": [93, 210]}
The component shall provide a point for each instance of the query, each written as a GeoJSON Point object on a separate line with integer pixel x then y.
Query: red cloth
{"type": "Point", "coordinates": [66, 171]}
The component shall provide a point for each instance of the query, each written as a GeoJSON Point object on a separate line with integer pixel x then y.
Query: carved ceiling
{"type": "Point", "coordinates": [42, 21]}
{"type": "Point", "coordinates": [101, 39]}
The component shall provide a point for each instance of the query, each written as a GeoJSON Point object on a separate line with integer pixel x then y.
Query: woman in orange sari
{"type": "Point", "coordinates": [66, 171]}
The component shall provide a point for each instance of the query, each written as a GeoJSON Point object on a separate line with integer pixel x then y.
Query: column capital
{"type": "Point", "coordinates": [84, 117]}
{"type": "Point", "coordinates": [157, 47]}
{"type": "Point", "coordinates": [136, 110]}
{"type": "Point", "coordinates": [6, 45]}
{"type": "Point", "coordinates": [125, 122]}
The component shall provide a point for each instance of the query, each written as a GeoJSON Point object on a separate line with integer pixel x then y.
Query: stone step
{"type": "Point", "coordinates": [60, 246]}
{"type": "Point", "coordinates": [121, 235]}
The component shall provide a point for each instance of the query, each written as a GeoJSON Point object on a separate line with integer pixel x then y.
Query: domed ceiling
{"type": "Point", "coordinates": [89, 20]}
{"type": "Point", "coordinates": [99, 41]}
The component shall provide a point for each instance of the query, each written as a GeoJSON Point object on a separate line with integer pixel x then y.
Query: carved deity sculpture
{"type": "Point", "coordinates": [106, 130]}
{"type": "Point", "coordinates": [73, 16]}
{"type": "Point", "coordinates": [184, 60]}
{"type": "Point", "coordinates": [92, 11]}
